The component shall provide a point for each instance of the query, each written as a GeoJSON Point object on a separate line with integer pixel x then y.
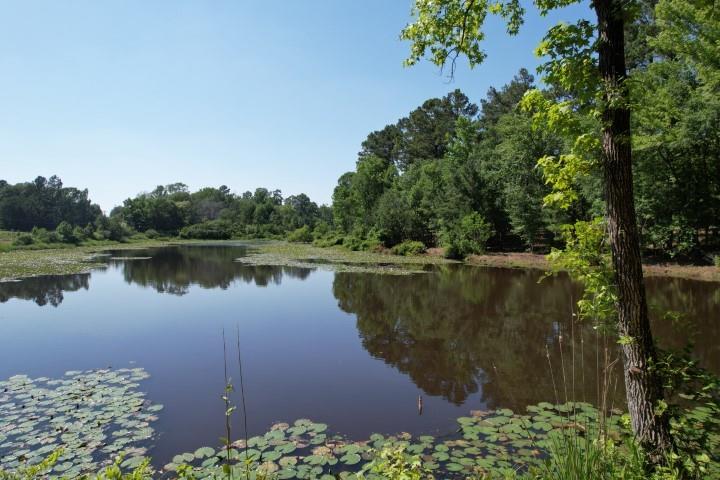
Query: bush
{"type": "Point", "coordinates": [301, 235]}
{"type": "Point", "coordinates": [151, 233]}
{"type": "Point", "coordinates": [717, 261]}
{"type": "Point", "coordinates": [111, 228]}
{"type": "Point", "coordinates": [322, 229]}
{"type": "Point", "coordinates": [396, 464]}
{"type": "Point", "coordinates": [23, 239]}
{"type": "Point", "coordinates": [88, 231]}
{"type": "Point", "coordinates": [351, 242]}
{"type": "Point", "coordinates": [468, 237]}
{"type": "Point", "coordinates": [329, 241]}
{"type": "Point", "coordinates": [64, 232]}
{"type": "Point", "coordinates": [42, 235]}
{"type": "Point", "coordinates": [79, 234]}
{"type": "Point", "coordinates": [371, 242]}
{"type": "Point", "coordinates": [210, 230]}
{"type": "Point", "coordinates": [409, 247]}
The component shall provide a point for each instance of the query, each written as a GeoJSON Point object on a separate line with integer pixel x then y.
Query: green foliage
{"type": "Point", "coordinates": [358, 241]}
{"type": "Point", "coordinates": [586, 257]}
{"type": "Point", "coordinates": [392, 217]}
{"type": "Point", "coordinates": [677, 180]}
{"type": "Point", "coordinates": [151, 233]}
{"type": "Point", "coordinates": [42, 235]}
{"type": "Point", "coordinates": [394, 463]}
{"type": "Point", "coordinates": [209, 213]}
{"type": "Point", "coordinates": [23, 240]}
{"type": "Point", "coordinates": [79, 234]}
{"type": "Point", "coordinates": [452, 27]}
{"type": "Point", "coordinates": [409, 247]}
{"type": "Point", "coordinates": [209, 230]}
{"type": "Point", "coordinates": [301, 235]}
{"type": "Point", "coordinates": [469, 236]}
{"type": "Point", "coordinates": [572, 456]}
{"type": "Point", "coordinates": [693, 403]}
{"type": "Point", "coordinates": [717, 260]}
{"type": "Point", "coordinates": [43, 203]}
{"type": "Point", "coordinates": [64, 232]}
{"type": "Point", "coordinates": [111, 228]}
{"type": "Point", "coordinates": [330, 240]}
{"type": "Point", "coordinates": [32, 472]}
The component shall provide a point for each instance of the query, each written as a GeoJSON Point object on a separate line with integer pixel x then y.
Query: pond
{"type": "Point", "coordinates": [358, 351]}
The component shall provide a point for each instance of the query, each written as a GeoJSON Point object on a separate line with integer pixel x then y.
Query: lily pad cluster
{"type": "Point", "coordinates": [334, 265]}
{"type": "Point", "coordinates": [90, 416]}
{"type": "Point", "coordinates": [485, 442]}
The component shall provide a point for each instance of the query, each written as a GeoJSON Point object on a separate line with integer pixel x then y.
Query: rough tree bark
{"type": "Point", "coordinates": [643, 386]}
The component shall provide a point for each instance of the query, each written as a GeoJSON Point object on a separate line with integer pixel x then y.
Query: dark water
{"type": "Point", "coordinates": [348, 349]}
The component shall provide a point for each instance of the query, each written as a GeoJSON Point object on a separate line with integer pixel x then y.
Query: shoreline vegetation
{"type": "Point", "coordinates": [19, 263]}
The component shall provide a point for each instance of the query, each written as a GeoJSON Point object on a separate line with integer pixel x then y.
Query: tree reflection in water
{"type": "Point", "coordinates": [174, 270]}
{"type": "Point", "coordinates": [464, 330]}
{"type": "Point", "coordinates": [47, 290]}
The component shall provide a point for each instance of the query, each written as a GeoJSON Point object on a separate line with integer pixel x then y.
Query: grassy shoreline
{"type": "Point", "coordinates": [16, 264]}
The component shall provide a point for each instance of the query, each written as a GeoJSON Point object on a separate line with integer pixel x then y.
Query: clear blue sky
{"type": "Point", "coordinates": [119, 96]}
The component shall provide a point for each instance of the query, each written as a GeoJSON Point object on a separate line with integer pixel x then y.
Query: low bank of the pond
{"type": "Point", "coordinates": [537, 261]}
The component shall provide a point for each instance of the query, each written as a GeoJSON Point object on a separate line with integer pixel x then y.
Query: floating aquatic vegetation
{"type": "Point", "coordinates": [91, 416]}
{"type": "Point", "coordinates": [278, 260]}
{"type": "Point", "coordinates": [485, 442]}
{"type": "Point", "coordinates": [130, 258]}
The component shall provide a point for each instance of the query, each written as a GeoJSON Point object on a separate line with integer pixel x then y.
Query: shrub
{"type": "Point", "coordinates": [64, 232]}
{"type": "Point", "coordinates": [409, 247]}
{"type": "Point", "coordinates": [42, 235]}
{"type": "Point", "coordinates": [151, 233]}
{"type": "Point", "coordinates": [79, 234]}
{"type": "Point", "coordinates": [717, 261]}
{"type": "Point", "coordinates": [322, 229]}
{"type": "Point", "coordinates": [23, 239]}
{"type": "Point", "coordinates": [329, 241]}
{"type": "Point", "coordinates": [88, 231]}
{"type": "Point", "coordinates": [467, 237]}
{"type": "Point", "coordinates": [351, 242]}
{"type": "Point", "coordinates": [371, 242]}
{"type": "Point", "coordinates": [111, 229]}
{"type": "Point", "coordinates": [210, 230]}
{"type": "Point", "coordinates": [396, 464]}
{"type": "Point", "coordinates": [301, 235]}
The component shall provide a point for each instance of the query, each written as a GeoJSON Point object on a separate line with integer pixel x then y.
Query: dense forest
{"type": "Point", "coordinates": [455, 174]}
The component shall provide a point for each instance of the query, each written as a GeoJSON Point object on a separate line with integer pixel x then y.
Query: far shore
{"type": "Point", "coordinates": [18, 264]}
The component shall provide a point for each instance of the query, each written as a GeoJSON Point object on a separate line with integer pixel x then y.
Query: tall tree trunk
{"type": "Point", "coordinates": [643, 386]}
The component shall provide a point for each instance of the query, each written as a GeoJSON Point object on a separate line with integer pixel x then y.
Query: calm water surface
{"type": "Point", "coordinates": [348, 349]}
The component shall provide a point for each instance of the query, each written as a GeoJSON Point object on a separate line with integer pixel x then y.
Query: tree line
{"type": "Point", "coordinates": [464, 176]}
{"type": "Point", "coordinates": [217, 213]}
{"type": "Point", "coordinates": [51, 213]}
